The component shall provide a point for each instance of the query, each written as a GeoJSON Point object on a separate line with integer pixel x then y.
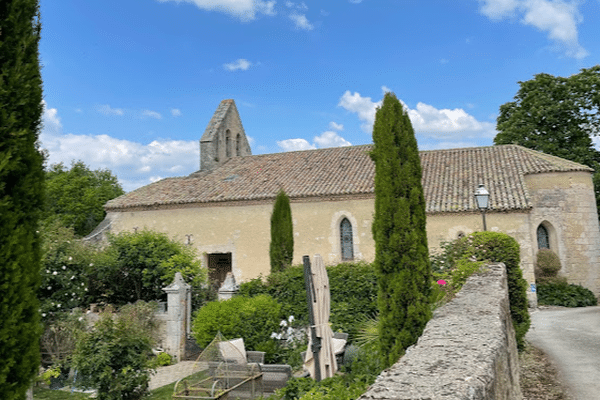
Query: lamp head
{"type": "Point", "coordinates": [482, 197]}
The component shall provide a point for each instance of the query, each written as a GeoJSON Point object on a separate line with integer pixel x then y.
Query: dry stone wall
{"type": "Point", "coordinates": [467, 350]}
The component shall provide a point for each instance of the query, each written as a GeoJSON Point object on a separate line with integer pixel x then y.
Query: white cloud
{"type": "Point", "coordinates": [446, 124]}
{"type": "Point", "coordinates": [558, 18]}
{"type": "Point", "coordinates": [326, 139]}
{"type": "Point", "coordinates": [50, 120]}
{"type": "Point", "coordinates": [331, 139]}
{"type": "Point", "coordinates": [245, 10]}
{"type": "Point", "coordinates": [363, 106]}
{"type": "Point", "coordinates": [355, 1]}
{"type": "Point", "coordinates": [175, 112]}
{"type": "Point", "coordinates": [151, 114]}
{"type": "Point", "coordinates": [301, 21]}
{"type": "Point", "coordinates": [239, 64]}
{"type": "Point", "coordinates": [336, 127]}
{"type": "Point", "coordinates": [295, 145]}
{"type": "Point", "coordinates": [108, 110]}
{"type": "Point", "coordinates": [134, 163]}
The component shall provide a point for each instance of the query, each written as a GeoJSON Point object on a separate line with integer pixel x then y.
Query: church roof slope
{"type": "Point", "coordinates": [450, 178]}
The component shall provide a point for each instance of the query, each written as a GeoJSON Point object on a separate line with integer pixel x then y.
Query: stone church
{"type": "Point", "coordinates": [223, 210]}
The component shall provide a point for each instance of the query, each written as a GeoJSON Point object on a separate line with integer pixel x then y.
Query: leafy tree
{"type": "Point", "coordinates": [401, 253]}
{"type": "Point", "coordinates": [21, 195]}
{"type": "Point", "coordinates": [557, 116]}
{"type": "Point", "coordinates": [114, 356]}
{"type": "Point", "coordinates": [65, 263]}
{"type": "Point", "coordinates": [76, 196]}
{"type": "Point", "coordinates": [281, 250]}
{"type": "Point", "coordinates": [136, 266]}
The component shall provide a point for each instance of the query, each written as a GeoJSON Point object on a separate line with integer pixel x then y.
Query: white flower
{"type": "Point", "coordinates": [49, 287]}
{"type": "Point", "coordinates": [283, 323]}
{"type": "Point", "coordinates": [86, 289]}
{"type": "Point", "coordinates": [70, 258]}
{"type": "Point", "coordinates": [54, 273]}
{"type": "Point", "coordinates": [72, 277]}
{"type": "Point", "coordinates": [58, 305]}
{"type": "Point", "coordinates": [81, 318]}
{"type": "Point", "coordinates": [44, 314]}
{"type": "Point", "coordinates": [73, 294]}
{"type": "Point", "coordinates": [47, 271]}
{"type": "Point", "coordinates": [274, 335]}
{"type": "Point", "coordinates": [64, 267]}
{"type": "Point", "coordinates": [82, 283]}
{"type": "Point", "coordinates": [91, 264]}
{"type": "Point", "coordinates": [291, 319]}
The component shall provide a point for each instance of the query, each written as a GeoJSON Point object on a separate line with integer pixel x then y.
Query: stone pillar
{"type": "Point", "coordinates": [178, 316]}
{"type": "Point", "coordinates": [229, 287]}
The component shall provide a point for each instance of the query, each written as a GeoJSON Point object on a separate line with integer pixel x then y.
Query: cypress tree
{"type": "Point", "coordinates": [281, 249]}
{"type": "Point", "coordinates": [21, 195]}
{"type": "Point", "coordinates": [401, 253]}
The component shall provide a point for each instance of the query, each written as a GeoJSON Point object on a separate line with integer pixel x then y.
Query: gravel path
{"type": "Point", "coordinates": [172, 373]}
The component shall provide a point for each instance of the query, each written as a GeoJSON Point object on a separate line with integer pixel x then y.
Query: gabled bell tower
{"type": "Point", "coordinates": [224, 137]}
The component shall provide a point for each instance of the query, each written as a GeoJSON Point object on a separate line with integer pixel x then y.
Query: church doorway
{"type": "Point", "coordinates": [219, 264]}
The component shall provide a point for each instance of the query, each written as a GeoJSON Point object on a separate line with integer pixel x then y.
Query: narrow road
{"type": "Point", "coordinates": [571, 337]}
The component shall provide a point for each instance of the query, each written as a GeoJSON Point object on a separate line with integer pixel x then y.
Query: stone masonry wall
{"type": "Point", "coordinates": [467, 350]}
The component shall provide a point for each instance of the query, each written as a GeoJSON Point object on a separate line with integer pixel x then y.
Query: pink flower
{"type": "Point", "coordinates": [441, 282]}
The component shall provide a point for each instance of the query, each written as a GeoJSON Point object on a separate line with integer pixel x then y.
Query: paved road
{"type": "Point", "coordinates": [571, 337]}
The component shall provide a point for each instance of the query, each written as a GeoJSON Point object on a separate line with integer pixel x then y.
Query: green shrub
{"type": "Point", "coordinates": [547, 265]}
{"type": "Point", "coordinates": [253, 319]}
{"type": "Point", "coordinates": [113, 357]}
{"type": "Point", "coordinates": [496, 247]}
{"type": "Point", "coordinates": [353, 288]}
{"type": "Point", "coordinates": [161, 360]}
{"type": "Point", "coordinates": [564, 294]}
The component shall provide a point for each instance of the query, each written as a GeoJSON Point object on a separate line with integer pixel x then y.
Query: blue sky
{"type": "Point", "coordinates": [131, 85]}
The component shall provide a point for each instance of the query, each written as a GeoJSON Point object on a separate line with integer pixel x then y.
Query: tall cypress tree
{"type": "Point", "coordinates": [281, 250]}
{"type": "Point", "coordinates": [21, 195]}
{"type": "Point", "coordinates": [401, 253]}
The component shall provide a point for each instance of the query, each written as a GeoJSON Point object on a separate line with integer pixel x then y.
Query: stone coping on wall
{"type": "Point", "coordinates": [467, 350]}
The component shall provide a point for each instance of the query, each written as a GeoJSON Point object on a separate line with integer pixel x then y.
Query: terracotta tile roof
{"type": "Point", "coordinates": [450, 178]}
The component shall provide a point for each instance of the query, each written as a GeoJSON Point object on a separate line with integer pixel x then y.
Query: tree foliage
{"type": "Point", "coordinates": [136, 266]}
{"type": "Point", "coordinates": [281, 249]}
{"type": "Point", "coordinates": [21, 195]}
{"type": "Point", "coordinates": [557, 116]}
{"type": "Point", "coordinates": [65, 265]}
{"type": "Point", "coordinates": [401, 253]}
{"type": "Point", "coordinates": [76, 196]}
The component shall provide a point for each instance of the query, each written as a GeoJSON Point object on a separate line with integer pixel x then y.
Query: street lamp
{"type": "Point", "coordinates": [482, 197]}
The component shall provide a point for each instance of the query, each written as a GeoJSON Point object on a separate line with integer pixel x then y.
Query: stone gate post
{"type": "Point", "coordinates": [178, 316]}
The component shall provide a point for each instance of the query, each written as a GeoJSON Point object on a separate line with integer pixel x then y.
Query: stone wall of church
{"type": "Point", "coordinates": [563, 202]}
{"type": "Point", "coordinates": [244, 231]}
{"type": "Point", "coordinates": [565, 205]}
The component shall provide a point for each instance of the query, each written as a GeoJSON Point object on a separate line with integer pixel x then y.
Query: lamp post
{"type": "Point", "coordinates": [482, 197]}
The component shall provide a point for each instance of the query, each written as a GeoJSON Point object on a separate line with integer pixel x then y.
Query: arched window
{"type": "Point", "coordinates": [543, 237]}
{"type": "Point", "coordinates": [238, 145]}
{"type": "Point", "coordinates": [227, 144]}
{"type": "Point", "coordinates": [346, 240]}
